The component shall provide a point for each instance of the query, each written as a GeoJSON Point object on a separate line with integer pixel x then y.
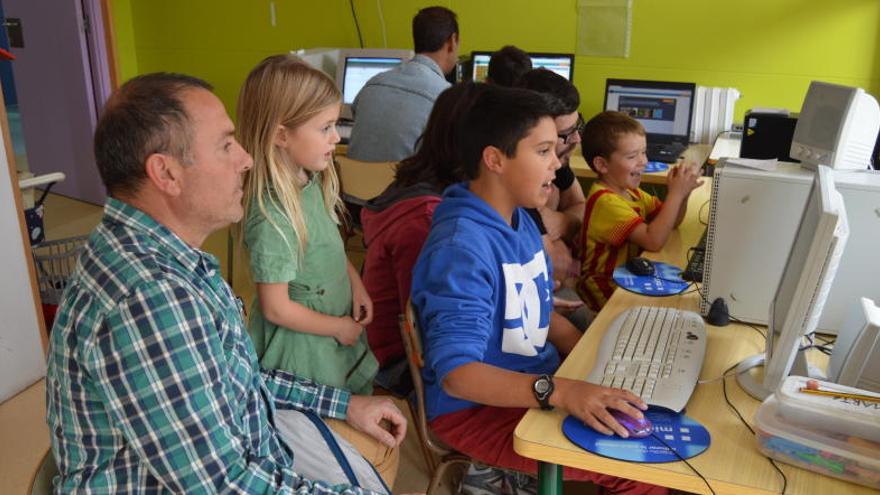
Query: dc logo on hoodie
{"type": "Point", "coordinates": [526, 306]}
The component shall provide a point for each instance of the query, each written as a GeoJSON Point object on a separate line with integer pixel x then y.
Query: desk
{"type": "Point", "coordinates": [732, 464]}
{"type": "Point", "coordinates": [696, 153]}
{"type": "Point", "coordinates": [24, 438]}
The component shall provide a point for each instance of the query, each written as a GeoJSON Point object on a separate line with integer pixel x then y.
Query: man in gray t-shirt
{"type": "Point", "coordinates": [391, 110]}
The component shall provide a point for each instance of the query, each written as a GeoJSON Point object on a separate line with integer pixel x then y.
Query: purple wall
{"type": "Point", "coordinates": [56, 94]}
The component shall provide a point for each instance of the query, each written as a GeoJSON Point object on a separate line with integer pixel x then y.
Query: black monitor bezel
{"type": "Point", "coordinates": [659, 138]}
{"type": "Point", "coordinates": [569, 56]}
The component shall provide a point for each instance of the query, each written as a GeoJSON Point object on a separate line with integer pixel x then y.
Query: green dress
{"type": "Point", "coordinates": [320, 282]}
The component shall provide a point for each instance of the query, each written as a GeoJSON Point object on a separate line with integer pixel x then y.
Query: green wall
{"type": "Point", "coordinates": [769, 50]}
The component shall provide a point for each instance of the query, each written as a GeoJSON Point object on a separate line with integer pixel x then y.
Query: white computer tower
{"type": "Point", "coordinates": [753, 217]}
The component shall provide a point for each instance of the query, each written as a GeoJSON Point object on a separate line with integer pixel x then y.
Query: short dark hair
{"type": "Point", "coordinates": [436, 157]}
{"type": "Point", "coordinates": [431, 27]}
{"type": "Point", "coordinates": [600, 134]}
{"type": "Point", "coordinates": [500, 117]}
{"type": "Point", "coordinates": [550, 83]}
{"type": "Point", "coordinates": [145, 115]}
{"type": "Point", "coordinates": [507, 65]}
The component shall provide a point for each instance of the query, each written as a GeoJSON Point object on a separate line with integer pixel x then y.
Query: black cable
{"type": "Point", "coordinates": [356, 24]}
{"type": "Point", "coordinates": [682, 459]}
{"type": "Point", "coordinates": [744, 422]}
{"type": "Point", "coordinates": [700, 214]}
{"type": "Point", "coordinates": [733, 318]}
{"type": "Point", "coordinates": [825, 340]}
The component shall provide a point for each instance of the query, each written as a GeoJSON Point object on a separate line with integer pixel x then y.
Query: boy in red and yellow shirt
{"type": "Point", "coordinates": [620, 219]}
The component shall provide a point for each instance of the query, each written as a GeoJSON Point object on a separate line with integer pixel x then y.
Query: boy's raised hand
{"type": "Point", "coordinates": [590, 403]}
{"type": "Point", "coordinates": [682, 179]}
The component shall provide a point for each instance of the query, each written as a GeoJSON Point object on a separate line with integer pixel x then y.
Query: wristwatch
{"type": "Point", "coordinates": [543, 389]}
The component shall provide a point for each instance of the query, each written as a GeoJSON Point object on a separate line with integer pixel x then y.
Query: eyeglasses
{"type": "Point", "coordinates": [578, 127]}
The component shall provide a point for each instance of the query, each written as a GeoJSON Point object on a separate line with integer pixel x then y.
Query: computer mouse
{"type": "Point", "coordinates": [637, 428]}
{"type": "Point", "coordinates": [640, 266]}
{"type": "Point", "coordinates": [718, 314]}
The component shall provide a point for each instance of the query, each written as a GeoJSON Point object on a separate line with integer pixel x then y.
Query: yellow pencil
{"type": "Point", "coordinates": [842, 395]}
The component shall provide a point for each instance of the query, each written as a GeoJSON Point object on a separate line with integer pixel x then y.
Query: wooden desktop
{"type": "Point", "coordinates": [732, 464]}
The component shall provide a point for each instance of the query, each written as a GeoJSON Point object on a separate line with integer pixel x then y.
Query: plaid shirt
{"type": "Point", "coordinates": [153, 384]}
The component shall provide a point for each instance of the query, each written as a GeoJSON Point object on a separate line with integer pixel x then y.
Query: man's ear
{"type": "Point", "coordinates": [165, 173]}
{"type": "Point", "coordinates": [493, 158]}
{"type": "Point", "coordinates": [281, 136]}
{"type": "Point", "coordinates": [452, 42]}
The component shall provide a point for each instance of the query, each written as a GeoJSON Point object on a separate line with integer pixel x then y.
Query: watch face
{"type": "Point", "coordinates": [542, 386]}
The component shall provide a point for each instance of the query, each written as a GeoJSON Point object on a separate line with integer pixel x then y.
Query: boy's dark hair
{"type": "Point", "coordinates": [559, 88]}
{"type": "Point", "coordinates": [500, 117]}
{"type": "Point", "coordinates": [144, 116]}
{"type": "Point", "coordinates": [507, 65]}
{"type": "Point", "coordinates": [600, 134]}
{"type": "Point", "coordinates": [436, 156]}
{"type": "Point", "coordinates": [431, 27]}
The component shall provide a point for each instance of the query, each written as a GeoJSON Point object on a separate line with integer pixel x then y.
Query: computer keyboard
{"type": "Point", "coordinates": [654, 352]}
{"type": "Point", "coordinates": [693, 272]}
{"type": "Point", "coordinates": [664, 152]}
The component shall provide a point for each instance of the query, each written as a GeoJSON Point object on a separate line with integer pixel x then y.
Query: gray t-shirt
{"type": "Point", "coordinates": [391, 110]}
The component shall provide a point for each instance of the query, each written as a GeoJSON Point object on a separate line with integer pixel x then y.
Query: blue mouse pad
{"type": "Point", "coordinates": [653, 167]}
{"type": "Point", "coordinates": [687, 437]}
{"type": "Point", "coordinates": [666, 280]}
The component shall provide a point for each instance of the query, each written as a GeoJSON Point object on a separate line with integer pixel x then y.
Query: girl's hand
{"type": "Point", "coordinates": [349, 331]}
{"type": "Point", "coordinates": [361, 304]}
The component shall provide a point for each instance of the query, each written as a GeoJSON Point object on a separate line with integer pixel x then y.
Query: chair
{"type": "Point", "coordinates": [412, 342]}
{"type": "Point", "coordinates": [359, 182]}
{"type": "Point", "coordinates": [362, 181]}
{"type": "Point", "coordinates": [41, 482]}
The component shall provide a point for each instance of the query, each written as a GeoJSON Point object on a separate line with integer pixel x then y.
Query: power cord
{"type": "Point", "coordinates": [356, 23]}
{"type": "Point", "coordinates": [700, 214]}
{"type": "Point", "coordinates": [682, 459]}
{"type": "Point", "coordinates": [744, 422]}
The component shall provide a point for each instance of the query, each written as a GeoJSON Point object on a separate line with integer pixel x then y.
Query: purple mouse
{"type": "Point", "coordinates": [637, 428]}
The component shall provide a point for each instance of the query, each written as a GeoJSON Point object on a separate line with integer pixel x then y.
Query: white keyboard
{"type": "Point", "coordinates": [654, 352]}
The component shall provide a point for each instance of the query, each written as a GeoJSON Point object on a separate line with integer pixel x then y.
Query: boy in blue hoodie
{"type": "Point", "coordinates": [482, 288]}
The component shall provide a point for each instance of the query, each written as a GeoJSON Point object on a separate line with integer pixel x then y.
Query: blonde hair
{"type": "Point", "coordinates": [283, 90]}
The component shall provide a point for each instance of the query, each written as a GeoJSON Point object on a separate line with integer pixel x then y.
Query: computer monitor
{"type": "Point", "coordinates": [837, 127]}
{"type": "Point", "coordinates": [560, 63]}
{"type": "Point", "coordinates": [663, 108]}
{"type": "Point", "coordinates": [806, 280]}
{"type": "Point", "coordinates": [356, 66]}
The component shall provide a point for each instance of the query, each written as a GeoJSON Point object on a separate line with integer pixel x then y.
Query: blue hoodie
{"type": "Point", "coordinates": [483, 293]}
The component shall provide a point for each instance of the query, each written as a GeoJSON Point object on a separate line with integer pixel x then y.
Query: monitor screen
{"type": "Point", "coordinates": [480, 66]}
{"type": "Point", "coordinates": [359, 70]}
{"type": "Point", "coordinates": [663, 108]}
{"type": "Point", "coordinates": [560, 63]}
{"type": "Point", "coordinates": [806, 279]}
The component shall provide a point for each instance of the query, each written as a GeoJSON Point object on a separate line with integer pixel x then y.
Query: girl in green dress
{"type": "Point", "coordinates": [311, 306]}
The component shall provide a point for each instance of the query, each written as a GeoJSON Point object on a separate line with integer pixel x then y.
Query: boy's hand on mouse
{"type": "Point", "coordinates": [590, 403]}
{"type": "Point", "coordinates": [348, 331]}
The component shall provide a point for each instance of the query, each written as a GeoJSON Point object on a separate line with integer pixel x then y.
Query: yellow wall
{"type": "Point", "coordinates": [769, 50]}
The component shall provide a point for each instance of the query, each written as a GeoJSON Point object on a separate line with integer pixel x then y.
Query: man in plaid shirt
{"type": "Point", "coordinates": [153, 384]}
